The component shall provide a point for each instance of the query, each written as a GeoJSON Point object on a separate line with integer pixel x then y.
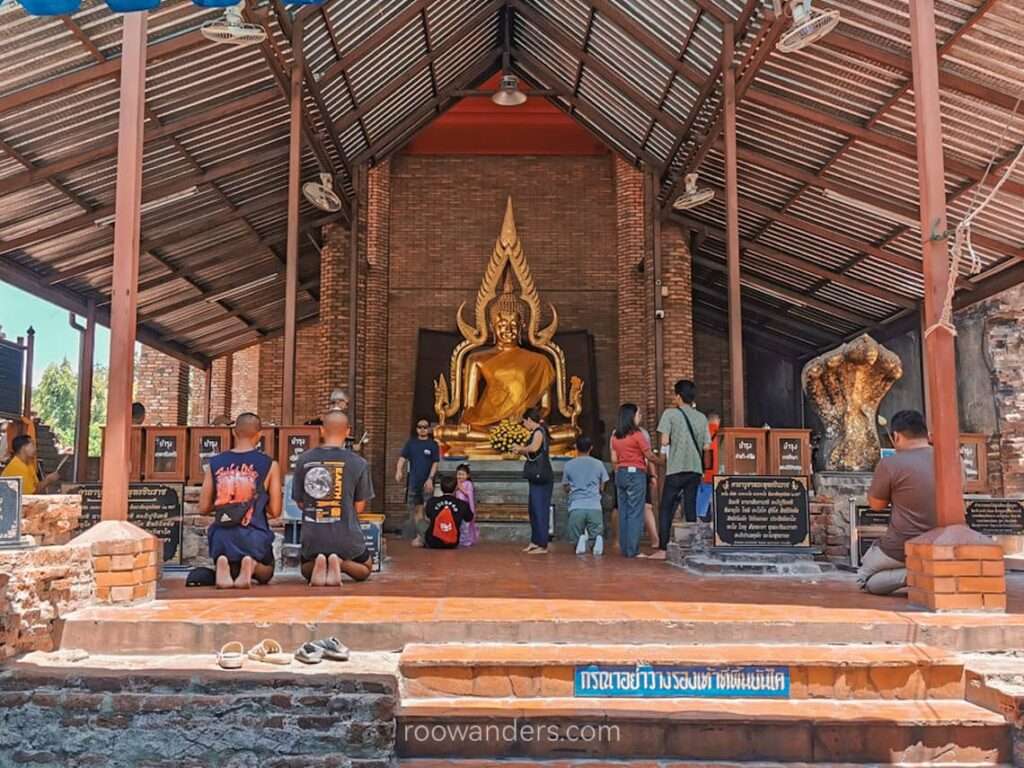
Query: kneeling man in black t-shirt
{"type": "Point", "coordinates": [445, 516]}
{"type": "Point", "coordinates": [332, 486]}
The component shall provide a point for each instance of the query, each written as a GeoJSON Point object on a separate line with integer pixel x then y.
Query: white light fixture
{"type": "Point", "coordinates": [774, 294]}
{"type": "Point", "coordinates": [152, 205]}
{"type": "Point", "coordinates": [508, 93]}
{"type": "Point", "coordinates": [877, 210]}
{"type": "Point", "coordinates": [242, 288]}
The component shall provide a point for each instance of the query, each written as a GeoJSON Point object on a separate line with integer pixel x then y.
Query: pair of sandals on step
{"type": "Point", "coordinates": [233, 655]}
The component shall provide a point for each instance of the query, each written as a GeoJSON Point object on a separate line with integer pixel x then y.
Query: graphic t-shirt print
{"type": "Point", "coordinates": [236, 483]}
{"type": "Point", "coordinates": [324, 483]}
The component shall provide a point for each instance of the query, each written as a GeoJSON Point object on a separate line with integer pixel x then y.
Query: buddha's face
{"type": "Point", "coordinates": [507, 325]}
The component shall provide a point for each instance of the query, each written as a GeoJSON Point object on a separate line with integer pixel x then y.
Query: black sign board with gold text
{"type": "Point", "coordinates": [10, 512]}
{"type": "Point", "coordinates": [996, 517]}
{"type": "Point", "coordinates": [766, 512]}
{"type": "Point", "coordinates": [154, 507]}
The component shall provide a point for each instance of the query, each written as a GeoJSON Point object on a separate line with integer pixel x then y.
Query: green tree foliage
{"type": "Point", "coordinates": [54, 400]}
{"type": "Point", "coordinates": [55, 397]}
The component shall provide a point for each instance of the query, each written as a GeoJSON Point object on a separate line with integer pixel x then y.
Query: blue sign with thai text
{"type": "Point", "coordinates": [645, 681]}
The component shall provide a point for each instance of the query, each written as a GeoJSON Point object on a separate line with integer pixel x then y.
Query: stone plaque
{"type": "Point", "coordinates": [662, 681]}
{"type": "Point", "coordinates": [10, 512]}
{"type": "Point", "coordinates": [791, 456]}
{"type": "Point", "coordinates": [154, 507]}
{"type": "Point", "coordinates": [293, 442]}
{"type": "Point", "coordinates": [996, 517]}
{"type": "Point", "coordinates": [165, 453]}
{"type": "Point", "coordinates": [761, 511]}
{"type": "Point", "coordinates": [866, 516]}
{"type": "Point", "coordinates": [374, 536]}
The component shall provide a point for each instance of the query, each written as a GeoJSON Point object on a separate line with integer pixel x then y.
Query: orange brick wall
{"type": "Point", "coordinates": [307, 380]}
{"type": "Point", "coordinates": [445, 217]}
{"type": "Point", "coordinates": [162, 385]}
{"type": "Point", "coordinates": [245, 366]}
{"type": "Point", "coordinates": [711, 360]}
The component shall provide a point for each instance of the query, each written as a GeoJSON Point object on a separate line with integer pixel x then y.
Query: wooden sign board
{"type": "Point", "coordinates": [205, 443]}
{"type": "Point", "coordinates": [761, 512]}
{"type": "Point", "coordinates": [789, 452]}
{"type": "Point", "coordinates": [974, 455]}
{"type": "Point", "coordinates": [135, 453]}
{"type": "Point", "coordinates": [12, 375]}
{"type": "Point", "coordinates": [166, 454]}
{"type": "Point", "coordinates": [294, 441]}
{"type": "Point", "coordinates": [155, 507]}
{"type": "Point", "coordinates": [743, 451]}
{"type": "Point", "coordinates": [10, 512]}
{"type": "Point", "coordinates": [996, 517]}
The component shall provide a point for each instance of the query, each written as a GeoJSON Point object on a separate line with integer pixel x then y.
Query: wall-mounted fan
{"type": "Point", "coordinates": [321, 194]}
{"type": "Point", "coordinates": [232, 29]}
{"type": "Point", "coordinates": [809, 25]}
{"type": "Point", "coordinates": [692, 195]}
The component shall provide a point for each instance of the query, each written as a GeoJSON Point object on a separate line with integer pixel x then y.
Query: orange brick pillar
{"type": "Point", "coordinates": [126, 560]}
{"type": "Point", "coordinates": [956, 569]}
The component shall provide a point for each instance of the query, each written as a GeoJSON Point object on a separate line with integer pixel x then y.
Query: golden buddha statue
{"type": "Point", "coordinates": [499, 382]}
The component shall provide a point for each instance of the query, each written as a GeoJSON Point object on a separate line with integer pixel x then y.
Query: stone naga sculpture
{"type": "Point", "coordinates": [845, 386]}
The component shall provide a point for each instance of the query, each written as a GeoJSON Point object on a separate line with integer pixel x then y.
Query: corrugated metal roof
{"type": "Point", "coordinates": [826, 139]}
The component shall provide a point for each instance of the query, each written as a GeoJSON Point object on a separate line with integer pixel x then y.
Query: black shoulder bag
{"type": "Point", "coordinates": [537, 468]}
{"type": "Point", "coordinates": [707, 457]}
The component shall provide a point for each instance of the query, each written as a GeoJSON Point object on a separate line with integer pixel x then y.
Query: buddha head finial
{"type": "Point", "coordinates": [507, 315]}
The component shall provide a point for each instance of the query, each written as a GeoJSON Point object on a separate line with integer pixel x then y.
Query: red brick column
{"type": "Point", "coordinates": [222, 372]}
{"type": "Point", "coordinates": [162, 385]}
{"type": "Point", "coordinates": [678, 305]}
{"type": "Point", "coordinates": [334, 310]}
{"type": "Point", "coordinates": [245, 365]}
{"type": "Point", "coordinates": [635, 290]}
{"type": "Point", "coordinates": [956, 569]}
{"type": "Point", "coordinates": [373, 323]}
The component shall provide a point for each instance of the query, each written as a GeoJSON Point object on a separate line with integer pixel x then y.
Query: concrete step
{"type": "Point", "coordinates": [816, 671]}
{"type": "Point", "coordinates": [427, 762]}
{"type": "Point", "coordinates": [388, 622]}
{"type": "Point", "coordinates": [809, 731]}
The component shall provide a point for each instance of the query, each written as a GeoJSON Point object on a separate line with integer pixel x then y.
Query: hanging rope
{"type": "Point", "coordinates": [962, 233]}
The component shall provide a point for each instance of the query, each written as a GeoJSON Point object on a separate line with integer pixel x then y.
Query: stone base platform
{"type": "Point", "coordinates": [691, 549]}
{"type": "Point", "coordinates": [68, 709]}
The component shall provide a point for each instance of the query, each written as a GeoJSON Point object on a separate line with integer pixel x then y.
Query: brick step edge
{"type": "Point", "coordinates": [427, 655]}
{"type": "Point", "coordinates": [863, 712]}
{"type": "Point", "coordinates": [558, 762]}
{"type": "Point", "coordinates": [784, 731]}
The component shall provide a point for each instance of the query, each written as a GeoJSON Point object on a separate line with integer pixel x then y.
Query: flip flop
{"type": "Point", "coordinates": [332, 648]}
{"type": "Point", "coordinates": [269, 652]}
{"type": "Point", "coordinates": [310, 653]}
{"type": "Point", "coordinates": [231, 656]}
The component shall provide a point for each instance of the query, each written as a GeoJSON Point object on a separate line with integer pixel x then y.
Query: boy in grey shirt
{"type": "Point", "coordinates": [584, 478]}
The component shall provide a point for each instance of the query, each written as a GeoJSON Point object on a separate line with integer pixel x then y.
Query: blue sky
{"type": "Point", "coordinates": [55, 339]}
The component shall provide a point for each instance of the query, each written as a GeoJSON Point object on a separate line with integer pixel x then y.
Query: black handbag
{"type": "Point", "coordinates": [537, 468]}
{"type": "Point", "coordinates": [231, 515]}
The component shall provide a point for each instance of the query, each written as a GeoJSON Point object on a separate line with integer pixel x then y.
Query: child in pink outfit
{"type": "Point", "coordinates": [468, 534]}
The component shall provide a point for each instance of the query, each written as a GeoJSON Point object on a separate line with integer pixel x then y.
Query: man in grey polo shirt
{"type": "Point", "coordinates": [684, 436]}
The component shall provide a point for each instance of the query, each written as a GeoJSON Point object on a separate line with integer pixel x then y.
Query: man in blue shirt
{"type": "Point", "coordinates": [419, 459]}
{"type": "Point", "coordinates": [584, 478]}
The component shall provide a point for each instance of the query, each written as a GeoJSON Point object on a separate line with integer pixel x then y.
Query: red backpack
{"type": "Point", "coordinates": [445, 529]}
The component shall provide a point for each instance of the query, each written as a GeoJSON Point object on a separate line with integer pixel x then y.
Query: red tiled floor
{"type": "Point", "coordinates": [502, 571]}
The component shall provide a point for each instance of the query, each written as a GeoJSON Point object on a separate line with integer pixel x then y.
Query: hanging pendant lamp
{"type": "Point", "coordinates": [50, 7]}
{"type": "Point", "coordinates": [508, 93]}
{"type": "Point", "coordinates": [132, 6]}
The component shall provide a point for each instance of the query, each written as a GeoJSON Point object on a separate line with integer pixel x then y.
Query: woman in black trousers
{"type": "Point", "coordinates": [538, 473]}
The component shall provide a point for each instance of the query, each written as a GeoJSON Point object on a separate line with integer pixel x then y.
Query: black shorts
{"type": "Point", "coordinates": [361, 558]}
{"type": "Point", "coordinates": [415, 497]}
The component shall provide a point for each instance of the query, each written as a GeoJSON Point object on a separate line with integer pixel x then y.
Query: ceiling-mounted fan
{"type": "Point", "coordinates": [809, 25]}
{"type": "Point", "coordinates": [692, 194]}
